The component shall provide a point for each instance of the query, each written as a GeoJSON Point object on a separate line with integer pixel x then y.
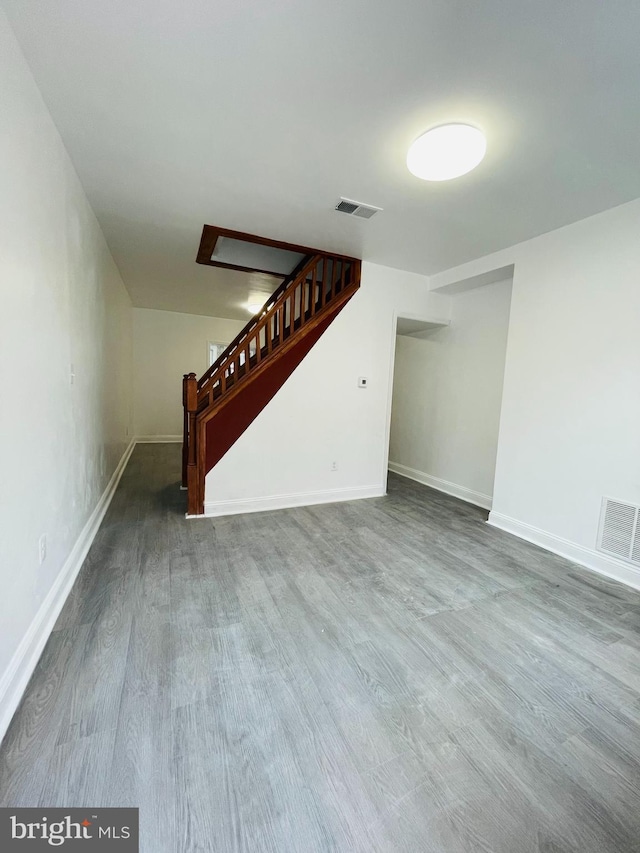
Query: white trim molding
{"type": "Point", "coordinates": [587, 557]}
{"type": "Point", "coordinates": [213, 509]}
{"type": "Point", "coordinates": [16, 677]}
{"type": "Point", "coordinates": [158, 439]}
{"type": "Point", "coordinates": [453, 489]}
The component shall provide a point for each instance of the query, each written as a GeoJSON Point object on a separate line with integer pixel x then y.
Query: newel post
{"type": "Point", "coordinates": [189, 448]}
{"type": "Point", "coordinates": [185, 429]}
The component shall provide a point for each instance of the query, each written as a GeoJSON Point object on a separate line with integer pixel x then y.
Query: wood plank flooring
{"type": "Point", "coordinates": [383, 675]}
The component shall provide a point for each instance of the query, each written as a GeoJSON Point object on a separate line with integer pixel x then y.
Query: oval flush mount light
{"type": "Point", "coordinates": [446, 152]}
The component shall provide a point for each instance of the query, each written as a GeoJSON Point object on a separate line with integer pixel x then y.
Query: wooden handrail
{"type": "Point", "coordinates": [261, 320]}
{"type": "Point", "coordinates": [254, 320]}
{"type": "Point", "coordinates": [209, 412]}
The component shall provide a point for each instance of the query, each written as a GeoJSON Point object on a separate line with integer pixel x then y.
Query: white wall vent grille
{"type": "Point", "coordinates": [635, 548]}
{"type": "Point", "coordinates": [619, 532]}
{"type": "Point", "coordinates": [356, 208]}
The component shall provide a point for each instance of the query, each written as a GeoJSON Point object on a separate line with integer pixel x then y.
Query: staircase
{"type": "Point", "coordinates": [220, 405]}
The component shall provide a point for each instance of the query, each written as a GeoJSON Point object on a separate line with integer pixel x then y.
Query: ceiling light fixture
{"type": "Point", "coordinates": [446, 152]}
{"type": "Point", "coordinates": [254, 307]}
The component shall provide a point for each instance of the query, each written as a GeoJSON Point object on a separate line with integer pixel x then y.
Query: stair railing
{"type": "Point", "coordinates": [318, 282]}
{"type": "Point", "coordinates": [223, 357]}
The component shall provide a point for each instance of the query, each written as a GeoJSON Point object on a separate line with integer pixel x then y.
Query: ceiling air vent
{"type": "Point", "coordinates": [619, 532]}
{"type": "Point", "coordinates": [356, 208]}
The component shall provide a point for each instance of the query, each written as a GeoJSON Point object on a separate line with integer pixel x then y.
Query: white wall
{"type": "Point", "coordinates": [447, 393]}
{"type": "Point", "coordinates": [320, 416]}
{"type": "Point", "coordinates": [166, 346]}
{"type": "Point", "coordinates": [62, 302]}
{"type": "Point", "coordinates": [570, 423]}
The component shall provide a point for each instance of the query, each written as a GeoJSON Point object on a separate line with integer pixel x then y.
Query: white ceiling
{"type": "Point", "coordinates": [258, 116]}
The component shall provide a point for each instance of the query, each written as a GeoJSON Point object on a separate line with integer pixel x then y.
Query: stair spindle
{"type": "Point", "coordinates": [322, 282]}
{"type": "Point", "coordinates": [312, 292]}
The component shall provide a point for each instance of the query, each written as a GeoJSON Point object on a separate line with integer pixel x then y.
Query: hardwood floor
{"type": "Point", "coordinates": [382, 675]}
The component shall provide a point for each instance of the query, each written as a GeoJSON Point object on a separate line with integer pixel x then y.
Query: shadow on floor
{"type": "Point", "coordinates": [172, 498]}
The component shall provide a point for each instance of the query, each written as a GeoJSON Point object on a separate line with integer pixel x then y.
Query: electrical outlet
{"type": "Point", "coordinates": [42, 548]}
{"type": "Point", "coordinates": [334, 466]}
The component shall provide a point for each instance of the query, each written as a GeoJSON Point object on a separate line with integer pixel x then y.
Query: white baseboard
{"type": "Point", "coordinates": [588, 557]}
{"type": "Point", "coordinates": [214, 509]}
{"type": "Point", "coordinates": [468, 495]}
{"type": "Point", "coordinates": [16, 677]}
{"type": "Point", "coordinates": [158, 439]}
